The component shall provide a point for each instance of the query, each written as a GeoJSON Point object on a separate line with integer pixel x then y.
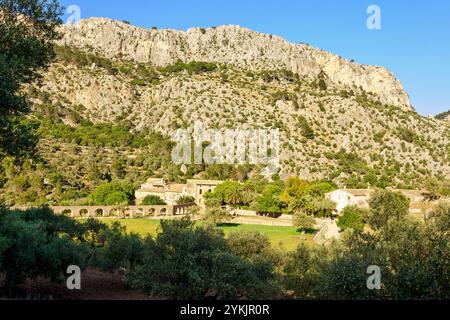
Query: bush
{"type": "Point", "coordinates": [120, 249]}
{"type": "Point", "coordinates": [89, 134]}
{"type": "Point", "coordinates": [152, 200]}
{"type": "Point", "coordinates": [351, 217]}
{"type": "Point", "coordinates": [439, 217]}
{"type": "Point", "coordinates": [186, 200]}
{"type": "Point", "coordinates": [386, 205]}
{"type": "Point", "coordinates": [191, 67]}
{"type": "Point", "coordinates": [193, 263]}
{"type": "Point", "coordinates": [215, 215]}
{"type": "Point", "coordinates": [248, 244]}
{"type": "Point", "coordinates": [113, 193]}
{"type": "Point", "coordinates": [303, 221]}
{"type": "Point", "coordinates": [412, 257]}
{"type": "Point", "coordinates": [307, 131]}
{"type": "Point", "coordinates": [322, 85]}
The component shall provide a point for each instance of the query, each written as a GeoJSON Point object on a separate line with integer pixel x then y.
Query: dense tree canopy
{"type": "Point", "coordinates": [27, 28]}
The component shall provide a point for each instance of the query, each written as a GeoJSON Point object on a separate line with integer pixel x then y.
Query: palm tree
{"type": "Point", "coordinates": [233, 193]}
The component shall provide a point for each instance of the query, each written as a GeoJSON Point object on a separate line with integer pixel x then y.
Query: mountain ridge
{"type": "Point", "coordinates": [233, 45]}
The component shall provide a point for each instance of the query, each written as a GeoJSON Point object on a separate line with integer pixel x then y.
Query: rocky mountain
{"type": "Point", "coordinates": [233, 45]}
{"type": "Point", "coordinates": [338, 119]}
{"type": "Point", "coordinates": [445, 116]}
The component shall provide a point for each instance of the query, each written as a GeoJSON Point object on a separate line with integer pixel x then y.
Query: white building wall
{"type": "Point", "coordinates": [341, 198]}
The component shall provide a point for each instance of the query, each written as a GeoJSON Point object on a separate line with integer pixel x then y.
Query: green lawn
{"type": "Point", "coordinates": [287, 238]}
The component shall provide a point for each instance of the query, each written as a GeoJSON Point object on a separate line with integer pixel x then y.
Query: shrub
{"type": "Point", "coordinates": [120, 249]}
{"type": "Point", "coordinates": [386, 205]}
{"type": "Point", "coordinates": [248, 244]}
{"type": "Point", "coordinates": [194, 67]}
{"type": "Point", "coordinates": [215, 215]}
{"type": "Point", "coordinates": [307, 131]}
{"type": "Point", "coordinates": [193, 263]}
{"type": "Point", "coordinates": [322, 85]}
{"type": "Point", "coordinates": [351, 217]}
{"type": "Point", "coordinates": [153, 200]}
{"type": "Point", "coordinates": [186, 200]}
{"type": "Point", "coordinates": [113, 193]}
{"type": "Point", "coordinates": [303, 221]}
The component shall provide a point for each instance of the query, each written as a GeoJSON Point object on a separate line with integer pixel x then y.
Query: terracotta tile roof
{"type": "Point", "coordinates": [177, 187]}
{"type": "Point", "coordinates": [152, 190]}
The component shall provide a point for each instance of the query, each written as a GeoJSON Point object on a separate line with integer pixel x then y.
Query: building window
{"type": "Point", "coordinates": [201, 191]}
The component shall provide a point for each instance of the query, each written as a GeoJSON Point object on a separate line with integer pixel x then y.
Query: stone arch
{"type": "Point", "coordinates": [116, 212]}
{"type": "Point", "coordinates": [83, 212]}
{"type": "Point", "coordinates": [139, 212]}
{"type": "Point", "coordinates": [99, 212]}
{"type": "Point", "coordinates": [126, 212]}
{"type": "Point", "coordinates": [67, 212]}
{"type": "Point", "coordinates": [163, 212]}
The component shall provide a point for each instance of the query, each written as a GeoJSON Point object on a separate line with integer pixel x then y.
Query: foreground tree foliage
{"type": "Point", "coordinates": [38, 243]}
{"type": "Point", "coordinates": [26, 30]}
{"type": "Point", "coordinates": [119, 249]}
{"type": "Point", "coordinates": [188, 262]}
{"type": "Point", "coordinates": [414, 257]}
{"type": "Point", "coordinates": [386, 205]}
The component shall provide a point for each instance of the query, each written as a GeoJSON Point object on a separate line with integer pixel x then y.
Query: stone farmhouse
{"type": "Point", "coordinates": [350, 197]}
{"type": "Point", "coordinates": [172, 192]}
{"type": "Point", "coordinates": [360, 197]}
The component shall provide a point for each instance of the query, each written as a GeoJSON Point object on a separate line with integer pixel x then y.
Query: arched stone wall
{"type": "Point", "coordinates": [128, 211]}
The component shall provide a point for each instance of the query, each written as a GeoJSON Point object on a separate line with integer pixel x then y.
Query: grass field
{"type": "Point", "coordinates": [287, 238]}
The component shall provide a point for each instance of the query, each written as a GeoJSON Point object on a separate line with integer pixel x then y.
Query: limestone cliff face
{"type": "Point", "coordinates": [231, 45]}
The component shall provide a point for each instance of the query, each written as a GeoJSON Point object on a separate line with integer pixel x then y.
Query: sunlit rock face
{"type": "Point", "coordinates": [233, 45]}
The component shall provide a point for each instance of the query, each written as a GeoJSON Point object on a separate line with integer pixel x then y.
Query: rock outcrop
{"type": "Point", "coordinates": [233, 45]}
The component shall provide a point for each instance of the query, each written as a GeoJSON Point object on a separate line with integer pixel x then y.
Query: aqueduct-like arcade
{"type": "Point", "coordinates": [118, 211]}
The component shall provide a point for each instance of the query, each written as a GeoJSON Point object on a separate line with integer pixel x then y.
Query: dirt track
{"type": "Point", "coordinates": [95, 285]}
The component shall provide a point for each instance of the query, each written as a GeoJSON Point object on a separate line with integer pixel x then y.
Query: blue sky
{"type": "Point", "coordinates": [413, 42]}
